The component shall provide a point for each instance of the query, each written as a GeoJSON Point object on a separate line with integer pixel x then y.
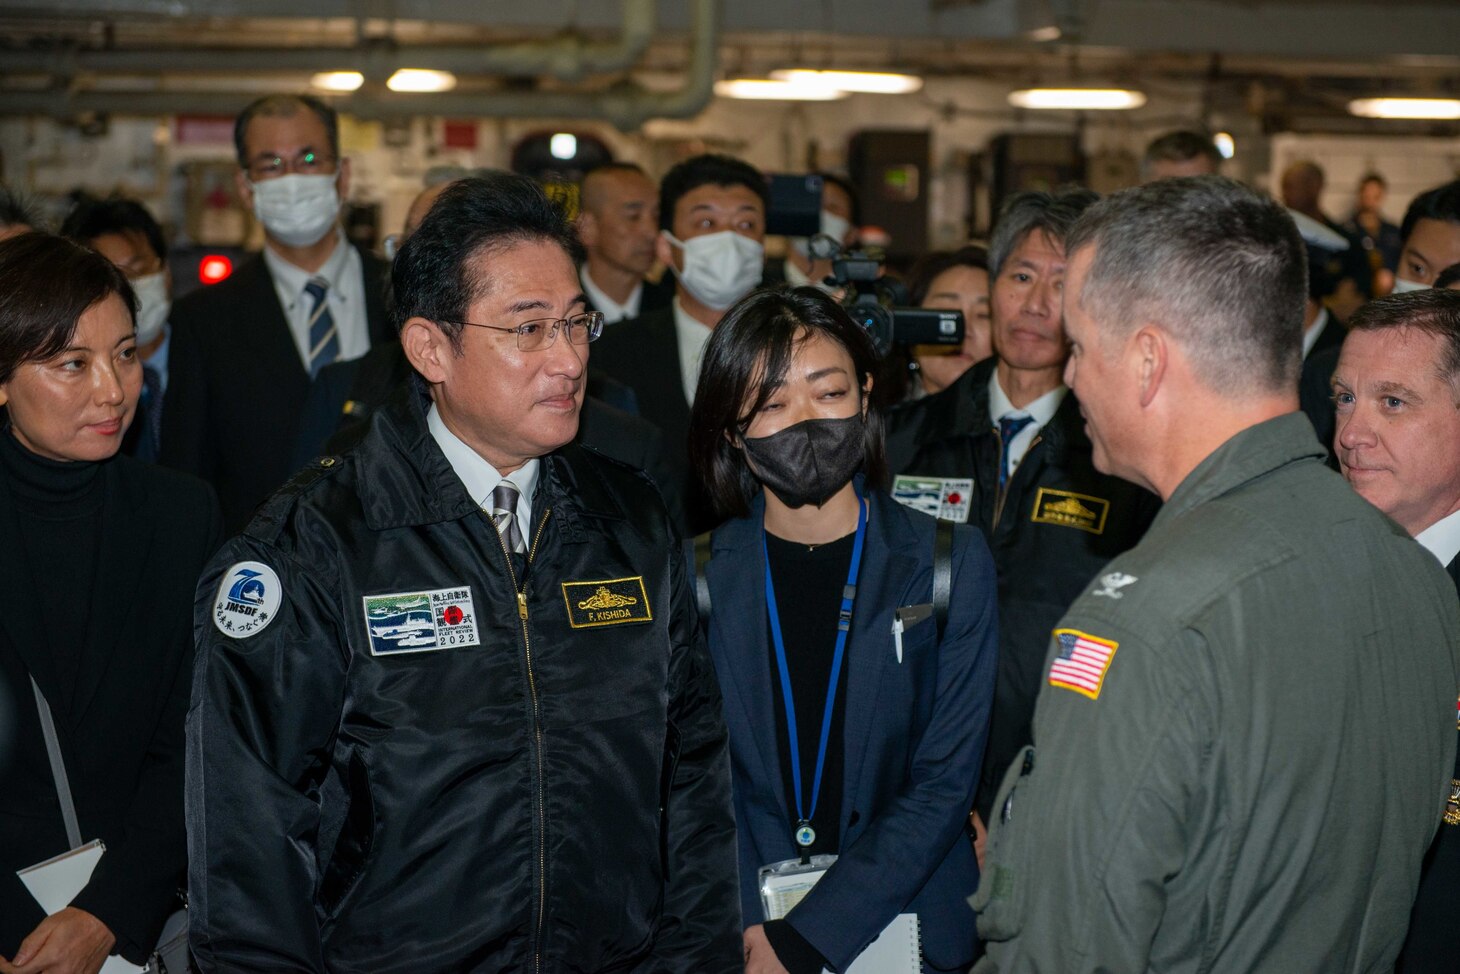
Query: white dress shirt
{"type": "Point", "coordinates": [1041, 409]}
{"type": "Point", "coordinates": [693, 336]}
{"type": "Point", "coordinates": [345, 273]}
{"type": "Point", "coordinates": [1311, 333]}
{"type": "Point", "coordinates": [481, 478]}
{"type": "Point", "coordinates": [612, 310]}
{"type": "Point", "coordinates": [1442, 539]}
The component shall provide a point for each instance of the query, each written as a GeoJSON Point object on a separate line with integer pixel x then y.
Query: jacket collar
{"type": "Point", "coordinates": [965, 407]}
{"type": "Point", "coordinates": [407, 481]}
{"type": "Point", "coordinates": [1253, 452]}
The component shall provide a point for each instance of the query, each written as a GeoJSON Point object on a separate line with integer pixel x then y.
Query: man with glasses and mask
{"type": "Point", "coordinates": [452, 710]}
{"type": "Point", "coordinates": [246, 349]}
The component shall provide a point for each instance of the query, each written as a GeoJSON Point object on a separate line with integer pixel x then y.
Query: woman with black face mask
{"type": "Point", "coordinates": [857, 704]}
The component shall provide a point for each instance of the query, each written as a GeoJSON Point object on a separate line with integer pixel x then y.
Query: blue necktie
{"type": "Point", "coordinates": [150, 440]}
{"type": "Point", "coordinates": [1009, 427]}
{"type": "Point", "coordinates": [324, 337]}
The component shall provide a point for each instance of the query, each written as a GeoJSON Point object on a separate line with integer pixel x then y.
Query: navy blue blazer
{"type": "Point", "coordinates": [914, 735]}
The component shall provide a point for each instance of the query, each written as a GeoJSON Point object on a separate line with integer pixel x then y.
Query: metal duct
{"type": "Point", "coordinates": [626, 106]}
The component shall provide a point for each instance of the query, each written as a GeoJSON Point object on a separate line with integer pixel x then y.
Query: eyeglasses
{"type": "Point", "coordinates": [309, 163]}
{"type": "Point", "coordinates": [542, 332]}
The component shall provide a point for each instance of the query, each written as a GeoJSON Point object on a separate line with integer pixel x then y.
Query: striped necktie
{"type": "Point", "coordinates": [324, 337]}
{"type": "Point", "coordinates": [504, 516]}
{"type": "Point", "coordinates": [150, 442]}
{"type": "Point", "coordinates": [1009, 427]}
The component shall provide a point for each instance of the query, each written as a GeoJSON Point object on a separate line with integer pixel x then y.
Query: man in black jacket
{"type": "Point", "coordinates": [1004, 448]}
{"type": "Point", "coordinates": [452, 711]}
{"type": "Point", "coordinates": [244, 350]}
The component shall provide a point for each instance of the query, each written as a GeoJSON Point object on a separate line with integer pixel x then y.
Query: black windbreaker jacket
{"type": "Point", "coordinates": [1057, 523]}
{"type": "Point", "coordinates": [405, 755]}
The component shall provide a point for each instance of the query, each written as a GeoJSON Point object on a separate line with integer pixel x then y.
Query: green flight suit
{"type": "Point", "coordinates": [1243, 742]}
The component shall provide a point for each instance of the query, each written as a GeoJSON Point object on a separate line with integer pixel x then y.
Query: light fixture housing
{"type": "Point", "coordinates": [563, 145]}
{"type": "Point", "coordinates": [1416, 108]}
{"type": "Point", "coordinates": [1077, 99]}
{"type": "Point", "coordinates": [761, 89]}
{"type": "Point", "coordinates": [1225, 144]}
{"type": "Point", "coordinates": [337, 80]}
{"type": "Point", "coordinates": [421, 80]}
{"type": "Point", "coordinates": [864, 82]}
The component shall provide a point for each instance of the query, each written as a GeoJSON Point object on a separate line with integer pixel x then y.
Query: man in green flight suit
{"type": "Point", "coordinates": [1243, 742]}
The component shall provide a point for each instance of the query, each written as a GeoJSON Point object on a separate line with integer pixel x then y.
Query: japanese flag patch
{"type": "Point", "coordinates": [1081, 662]}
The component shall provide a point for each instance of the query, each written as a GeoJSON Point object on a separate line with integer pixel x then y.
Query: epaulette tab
{"type": "Point", "coordinates": [273, 514]}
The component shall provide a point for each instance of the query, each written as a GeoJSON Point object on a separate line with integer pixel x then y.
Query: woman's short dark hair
{"type": "Point", "coordinates": [931, 265]}
{"type": "Point", "coordinates": [46, 284]}
{"type": "Point", "coordinates": [745, 360]}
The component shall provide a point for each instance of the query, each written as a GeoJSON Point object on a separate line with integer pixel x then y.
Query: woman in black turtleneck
{"type": "Point", "coordinates": [788, 445]}
{"type": "Point", "coordinates": [99, 557]}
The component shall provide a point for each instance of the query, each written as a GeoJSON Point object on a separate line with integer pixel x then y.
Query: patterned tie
{"type": "Point", "coordinates": [504, 516]}
{"type": "Point", "coordinates": [324, 337]}
{"type": "Point", "coordinates": [1009, 427]}
{"type": "Point", "coordinates": [151, 439]}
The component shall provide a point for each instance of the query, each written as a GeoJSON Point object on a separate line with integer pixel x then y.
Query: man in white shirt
{"type": "Point", "coordinates": [618, 222]}
{"type": "Point", "coordinates": [1397, 392]}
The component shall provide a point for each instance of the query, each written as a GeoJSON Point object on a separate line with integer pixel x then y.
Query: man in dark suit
{"type": "Point", "coordinates": [618, 221]}
{"type": "Point", "coordinates": [246, 349]}
{"type": "Point", "coordinates": [1397, 388]}
{"type": "Point", "coordinates": [712, 230]}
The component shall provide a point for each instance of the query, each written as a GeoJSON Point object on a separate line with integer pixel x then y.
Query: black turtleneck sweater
{"type": "Point", "coordinates": [58, 507]}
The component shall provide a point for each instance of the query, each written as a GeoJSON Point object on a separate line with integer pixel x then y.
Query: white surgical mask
{"type": "Point", "coordinates": [1401, 286]}
{"type": "Point", "coordinates": [153, 305]}
{"type": "Point", "coordinates": [297, 210]}
{"type": "Point", "coordinates": [719, 268]}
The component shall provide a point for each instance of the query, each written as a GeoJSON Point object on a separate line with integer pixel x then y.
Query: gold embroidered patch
{"type": "Point", "coordinates": [610, 602]}
{"type": "Point", "coordinates": [1452, 807]}
{"type": "Point", "coordinates": [1070, 510]}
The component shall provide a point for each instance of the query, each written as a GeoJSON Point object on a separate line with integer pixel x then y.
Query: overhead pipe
{"type": "Point", "coordinates": [569, 58]}
{"type": "Point", "coordinates": [626, 106]}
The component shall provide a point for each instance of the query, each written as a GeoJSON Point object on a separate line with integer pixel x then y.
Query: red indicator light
{"type": "Point", "coordinates": [214, 268]}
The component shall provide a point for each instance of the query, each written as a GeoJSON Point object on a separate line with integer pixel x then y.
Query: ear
{"type": "Point", "coordinates": [4, 395]}
{"type": "Point", "coordinates": [664, 250]}
{"type": "Point", "coordinates": [344, 183]}
{"type": "Point", "coordinates": [587, 229]}
{"type": "Point", "coordinates": [866, 395]}
{"type": "Point", "coordinates": [244, 188]}
{"type": "Point", "coordinates": [427, 349]}
{"type": "Point", "coordinates": [1152, 352]}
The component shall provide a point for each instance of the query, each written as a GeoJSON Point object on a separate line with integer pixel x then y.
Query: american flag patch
{"type": "Point", "coordinates": [1081, 662]}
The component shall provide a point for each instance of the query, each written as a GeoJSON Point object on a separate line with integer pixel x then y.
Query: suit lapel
{"type": "Point", "coordinates": [1454, 569]}
{"type": "Point", "coordinates": [377, 323]}
{"type": "Point", "coordinates": [273, 341]}
{"type": "Point", "coordinates": [23, 629]}
{"type": "Point", "coordinates": [742, 637]}
{"type": "Point", "coordinates": [121, 562]}
{"type": "Point", "coordinates": [889, 566]}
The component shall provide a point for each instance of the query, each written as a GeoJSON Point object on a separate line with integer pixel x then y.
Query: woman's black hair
{"type": "Point", "coordinates": [46, 284]}
{"type": "Point", "coordinates": [745, 360]}
{"type": "Point", "coordinates": [931, 265]}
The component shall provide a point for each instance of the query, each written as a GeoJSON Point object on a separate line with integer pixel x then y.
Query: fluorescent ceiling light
{"type": "Point", "coordinates": [870, 82]}
{"type": "Point", "coordinates": [1084, 99]}
{"type": "Point", "coordinates": [1225, 144]}
{"type": "Point", "coordinates": [421, 79]}
{"type": "Point", "coordinates": [337, 80]}
{"type": "Point", "coordinates": [1405, 107]}
{"type": "Point", "coordinates": [563, 145]}
{"type": "Point", "coordinates": [759, 89]}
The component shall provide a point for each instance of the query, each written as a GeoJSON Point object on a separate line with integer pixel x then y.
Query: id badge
{"type": "Point", "coordinates": [784, 884]}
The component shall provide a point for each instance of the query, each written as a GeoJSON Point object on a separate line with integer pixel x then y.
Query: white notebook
{"type": "Point", "coordinates": [57, 881]}
{"type": "Point", "coordinates": [898, 949]}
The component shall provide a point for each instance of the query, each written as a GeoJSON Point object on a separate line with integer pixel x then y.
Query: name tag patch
{"type": "Point", "coordinates": [1082, 662]}
{"type": "Point", "coordinates": [420, 622]}
{"type": "Point", "coordinates": [950, 498]}
{"type": "Point", "coordinates": [248, 599]}
{"type": "Point", "coordinates": [1070, 510]}
{"type": "Point", "coordinates": [607, 602]}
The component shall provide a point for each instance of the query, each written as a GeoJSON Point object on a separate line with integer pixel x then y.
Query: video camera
{"type": "Point", "coordinates": [877, 303]}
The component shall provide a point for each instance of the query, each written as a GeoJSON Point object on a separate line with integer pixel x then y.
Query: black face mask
{"type": "Point", "coordinates": [807, 463]}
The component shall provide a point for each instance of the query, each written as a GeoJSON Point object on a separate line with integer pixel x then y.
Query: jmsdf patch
{"type": "Point", "coordinates": [420, 622]}
{"type": "Point", "coordinates": [1070, 510]}
{"type": "Point", "coordinates": [610, 602]}
{"type": "Point", "coordinates": [248, 599]}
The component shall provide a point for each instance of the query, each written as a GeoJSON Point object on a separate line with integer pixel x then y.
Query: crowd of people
{"type": "Point", "coordinates": [504, 605]}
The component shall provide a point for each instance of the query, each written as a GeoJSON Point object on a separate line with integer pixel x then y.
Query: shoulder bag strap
{"type": "Point", "coordinates": [942, 572]}
{"type": "Point", "coordinates": [58, 766]}
{"type": "Point", "coordinates": [702, 583]}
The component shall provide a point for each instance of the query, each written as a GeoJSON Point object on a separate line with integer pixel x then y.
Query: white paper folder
{"type": "Point", "coordinates": [898, 949]}
{"type": "Point", "coordinates": [57, 881]}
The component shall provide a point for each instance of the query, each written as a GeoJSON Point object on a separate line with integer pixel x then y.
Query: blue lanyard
{"type": "Point", "coordinates": [804, 833]}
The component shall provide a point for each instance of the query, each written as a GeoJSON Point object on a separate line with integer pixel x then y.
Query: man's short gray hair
{"type": "Point", "coordinates": [1053, 214]}
{"type": "Point", "coordinates": [1219, 266]}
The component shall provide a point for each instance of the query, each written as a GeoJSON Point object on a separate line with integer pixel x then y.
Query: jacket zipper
{"type": "Point", "coordinates": [1003, 492]}
{"type": "Point", "coordinates": [536, 734]}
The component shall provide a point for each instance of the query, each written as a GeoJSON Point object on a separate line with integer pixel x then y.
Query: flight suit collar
{"type": "Point", "coordinates": [1255, 451]}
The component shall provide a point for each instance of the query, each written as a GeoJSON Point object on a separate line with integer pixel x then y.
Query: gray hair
{"type": "Point", "coordinates": [1050, 213]}
{"type": "Point", "coordinates": [1221, 267]}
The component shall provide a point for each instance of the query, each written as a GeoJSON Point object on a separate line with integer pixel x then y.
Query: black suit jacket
{"type": "Point", "coordinates": [236, 385]}
{"type": "Point", "coordinates": [122, 738]}
{"type": "Point", "coordinates": [1315, 393]}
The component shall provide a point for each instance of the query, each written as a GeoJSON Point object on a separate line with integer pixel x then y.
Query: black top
{"type": "Point", "coordinates": [808, 583]}
{"type": "Point", "coordinates": [60, 526]}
